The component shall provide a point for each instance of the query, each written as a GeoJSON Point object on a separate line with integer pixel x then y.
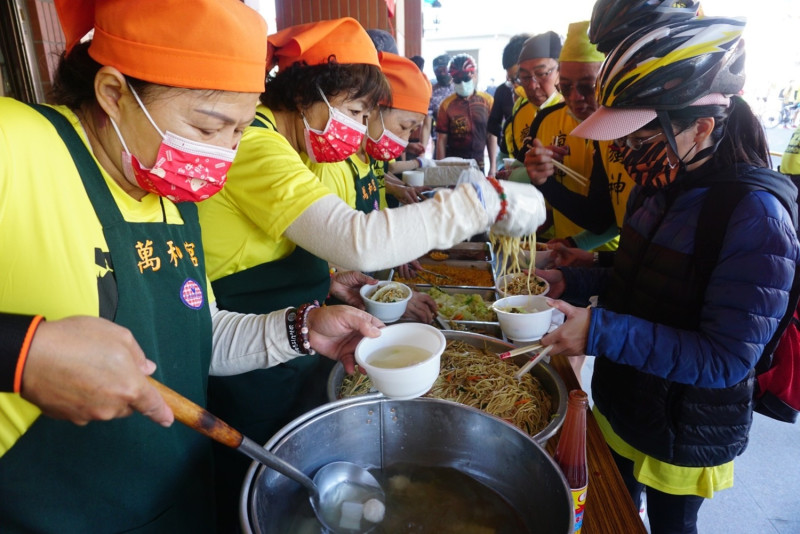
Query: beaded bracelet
{"type": "Point", "coordinates": [301, 327]}
{"type": "Point", "coordinates": [503, 197]}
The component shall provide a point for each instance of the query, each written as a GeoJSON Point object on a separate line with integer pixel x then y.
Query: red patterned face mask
{"type": "Point", "coordinates": [339, 140]}
{"type": "Point", "coordinates": [184, 171]}
{"type": "Point", "coordinates": [387, 147]}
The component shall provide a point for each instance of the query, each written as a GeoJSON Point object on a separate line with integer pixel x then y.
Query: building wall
{"type": "Point", "coordinates": [48, 39]}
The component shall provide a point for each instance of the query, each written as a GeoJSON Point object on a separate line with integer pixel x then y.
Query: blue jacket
{"type": "Point", "coordinates": [676, 391]}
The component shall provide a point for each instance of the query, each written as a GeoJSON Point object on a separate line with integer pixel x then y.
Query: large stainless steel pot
{"type": "Point", "coordinates": [550, 380]}
{"type": "Point", "coordinates": [374, 431]}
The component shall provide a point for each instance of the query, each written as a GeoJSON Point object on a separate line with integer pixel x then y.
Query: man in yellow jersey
{"type": "Point", "coordinates": [537, 78]}
{"type": "Point", "coordinates": [790, 162]}
{"type": "Point", "coordinates": [583, 215]}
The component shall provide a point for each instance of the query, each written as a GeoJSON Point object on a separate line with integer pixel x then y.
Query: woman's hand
{"type": "Point", "coordinates": [570, 338]}
{"type": "Point", "coordinates": [421, 308]}
{"type": "Point", "coordinates": [345, 286]}
{"type": "Point", "coordinates": [409, 270]}
{"type": "Point", "coordinates": [336, 330]}
{"type": "Point", "coordinates": [89, 369]}
{"type": "Point", "coordinates": [564, 256]}
{"type": "Point", "coordinates": [403, 193]}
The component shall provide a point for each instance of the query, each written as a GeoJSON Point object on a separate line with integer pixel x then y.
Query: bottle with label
{"type": "Point", "coordinates": [571, 452]}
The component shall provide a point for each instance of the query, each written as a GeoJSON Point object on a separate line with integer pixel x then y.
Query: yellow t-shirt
{"type": "Point", "coordinates": [51, 239]}
{"type": "Point", "coordinates": [790, 162]}
{"type": "Point", "coordinates": [668, 478]}
{"type": "Point", "coordinates": [554, 129]}
{"type": "Point", "coordinates": [338, 177]}
{"type": "Point", "coordinates": [268, 187]}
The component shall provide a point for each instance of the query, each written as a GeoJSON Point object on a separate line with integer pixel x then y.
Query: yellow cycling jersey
{"type": "Point", "coordinates": [522, 115]}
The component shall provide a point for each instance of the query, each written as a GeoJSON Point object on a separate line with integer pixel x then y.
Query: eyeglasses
{"type": "Point", "coordinates": [586, 90]}
{"type": "Point", "coordinates": [636, 143]}
{"type": "Point", "coordinates": [540, 76]}
{"type": "Point", "coordinates": [460, 78]}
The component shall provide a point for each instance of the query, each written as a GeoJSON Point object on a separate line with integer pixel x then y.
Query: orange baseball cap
{"type": "Point", "coordinates": [411, 89]}
{"type": "Point", "coordinates": [314, 43]}
{"type": "Point", "coordinates": [197, 44]}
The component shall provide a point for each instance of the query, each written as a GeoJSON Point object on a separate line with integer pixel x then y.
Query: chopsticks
{"type": "Point", "coordinates": [518, 351]}
{"type": "Point", "coordinates": [446, 277]}
{"type": "Point", "coordinates": [569, 172]}
{"type": "Point", "coordinates": [533, 361]}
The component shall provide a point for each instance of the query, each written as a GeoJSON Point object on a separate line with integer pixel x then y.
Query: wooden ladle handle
{"type": "Point", "coordinates": [198, 418]}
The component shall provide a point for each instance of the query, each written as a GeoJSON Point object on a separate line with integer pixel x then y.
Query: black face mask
{"type": "Point", "coordinates": [650, 166]}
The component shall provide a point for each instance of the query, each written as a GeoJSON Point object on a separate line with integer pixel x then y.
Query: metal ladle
{"type": "Point", "coordinates": [323, 490]}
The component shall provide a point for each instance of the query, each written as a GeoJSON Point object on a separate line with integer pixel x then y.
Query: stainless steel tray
{"type": "Point", "coordinates": [466, 251]}
{"type": "Point", "coordinates": [550, 380]}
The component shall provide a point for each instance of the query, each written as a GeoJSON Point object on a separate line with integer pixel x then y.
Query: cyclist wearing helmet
{"type": "Point", "coordinates": [463, 117]}
{"type": "Point", "coordinates": [441, 90]}
{"type": "Point", "coordinates": [614, 20]}
{"type": "Point", "coordinates": [673, 378]}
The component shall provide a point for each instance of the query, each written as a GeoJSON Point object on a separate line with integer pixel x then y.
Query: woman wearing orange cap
{"type": "Point", "coordinates": [96, 204]}
{"type": "Point", "coordinates": [267, 232]}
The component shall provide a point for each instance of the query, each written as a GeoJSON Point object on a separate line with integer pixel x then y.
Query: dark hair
{"type": "Point", "coordinates": [513, 48]}
{"type": "Point", "coordinates": [383, 40]}
{"type": "Point", "coordinates": [419, 61]}
{"type": "Point", "coordinates": [295, 87]}
{"type": "Point", "coordinates": [73, 84]}
{"type": "Point", "coordinates": [737, 131]}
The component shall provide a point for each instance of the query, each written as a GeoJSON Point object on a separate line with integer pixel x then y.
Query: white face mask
{"type": "Point", "coordinates": [465, 89]}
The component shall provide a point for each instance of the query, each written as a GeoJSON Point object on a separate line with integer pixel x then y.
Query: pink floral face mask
{"type": "Point", "coordinates": [339, 140]}
{"type": "Point", "coordinates": [184, 171]}
{"type": "Point", "coordinates": [387, 147]}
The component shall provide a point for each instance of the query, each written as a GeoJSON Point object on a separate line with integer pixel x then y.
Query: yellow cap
{"type": "Point", "coordinates": [577, 47]}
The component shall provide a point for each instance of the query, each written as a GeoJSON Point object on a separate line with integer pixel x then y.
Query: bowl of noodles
{"type": "Point", "coordinates": [386, 300]}
{"type": "Point", "coordinates": [472, 374]}
{"type": "Point", "coordinates": [523, 317]}
{"type": "Point", "coordinates": [521, 284]}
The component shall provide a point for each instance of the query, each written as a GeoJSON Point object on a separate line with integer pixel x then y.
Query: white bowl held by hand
{"type": "Point", "coordinates": [403, 363]}
{"type": "Point", "coordinates": [524, 317]}
{"type": "Point", "coordinates": [396, 295]}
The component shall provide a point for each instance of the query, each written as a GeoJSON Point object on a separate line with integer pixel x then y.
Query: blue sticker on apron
{"type": "Point", "coordinates": [192, 294]}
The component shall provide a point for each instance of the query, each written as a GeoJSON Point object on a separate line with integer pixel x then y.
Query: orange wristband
{"type": "Point", "coordinates": [23, 353]}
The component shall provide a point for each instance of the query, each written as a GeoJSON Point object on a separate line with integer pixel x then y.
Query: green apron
{"type": "Point", "coordinates": [367, 195]}
{"type": "Point", "coordinates": [128, 474]}
{"type": "Point", "coordinates": [260, 402]}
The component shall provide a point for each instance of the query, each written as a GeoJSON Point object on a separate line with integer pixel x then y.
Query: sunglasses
{"type": "Point", "coordinates": [586, 90]}
{"type": "Point", "coordinates": [460, 78]}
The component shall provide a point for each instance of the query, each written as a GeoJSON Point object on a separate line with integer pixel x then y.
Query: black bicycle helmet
{"type": "Point", "coordinates": [614, 20]}
{"type": "Point", "coordinates": [672, 66]}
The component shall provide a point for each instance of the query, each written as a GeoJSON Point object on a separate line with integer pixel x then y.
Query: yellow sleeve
{"type": "Point", "coordinates": [337, 177]}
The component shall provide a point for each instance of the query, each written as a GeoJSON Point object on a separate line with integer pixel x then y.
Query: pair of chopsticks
{"type": "Point", "coordinates": [569, 172]}
{"type": "Point", "coordinates": [533, 361]}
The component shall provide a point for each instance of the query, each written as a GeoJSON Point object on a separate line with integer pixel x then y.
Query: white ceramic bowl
{"type": "Point", "coordinates": [524, 326]}
{"type": "Point", "coordinates": [388, 312]}
{"type": "Point", "coordinates": [501, 283]}
{"type": "Point", "coordinates": [411, 379]}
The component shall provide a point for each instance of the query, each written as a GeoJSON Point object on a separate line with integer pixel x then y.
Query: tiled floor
{"type": "Point", "coordinates": [765, 498]}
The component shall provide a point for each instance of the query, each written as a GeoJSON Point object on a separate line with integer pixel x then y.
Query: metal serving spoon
{"type": "Point", "coordinates": [330, 481]}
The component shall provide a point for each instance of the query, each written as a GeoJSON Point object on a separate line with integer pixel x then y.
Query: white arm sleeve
{"type": "Point", "coordinates": [243, 342]}
{"type": "Point", "coordinates": [332, 230]}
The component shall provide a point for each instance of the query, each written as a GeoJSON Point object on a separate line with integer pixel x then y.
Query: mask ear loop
{"type": "Point", "coordinates": [144, 109]}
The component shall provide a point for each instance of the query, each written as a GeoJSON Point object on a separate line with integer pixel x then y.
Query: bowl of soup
{"type": "Point", "coordinates": [386, 300]}
{"type": "Point", "coordinates": [403, 362]}
{"type": "Point", "coordinates": [524, 317]}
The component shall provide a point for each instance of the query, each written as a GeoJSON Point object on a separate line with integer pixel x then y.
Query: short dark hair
{"type": "Point", "coordinates": [513, 48]}
{"type": "Point", "coordinates": [383, 40]}
{"type": "Point", "coordinates": [296, 87]}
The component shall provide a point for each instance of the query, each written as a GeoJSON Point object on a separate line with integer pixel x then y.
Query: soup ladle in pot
{"type": "Point", "coordinates": [331, 490]}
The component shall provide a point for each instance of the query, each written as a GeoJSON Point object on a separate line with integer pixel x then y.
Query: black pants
{"type": "Point", "coordinates": [668, 514]}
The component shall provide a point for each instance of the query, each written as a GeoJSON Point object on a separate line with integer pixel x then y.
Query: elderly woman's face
{"type": "Point", "coordinates": [216, 118]}
{"type": "Point", "coordinates": [358, 109]}
{"type": "Point", "coordinates": [400, 122]}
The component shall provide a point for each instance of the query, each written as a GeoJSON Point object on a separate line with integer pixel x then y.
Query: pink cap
{"type": "Point", "coordinates": [606, 124]}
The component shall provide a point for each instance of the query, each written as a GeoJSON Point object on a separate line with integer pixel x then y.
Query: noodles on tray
{"type": "Point", "coordinates": [478, 378]}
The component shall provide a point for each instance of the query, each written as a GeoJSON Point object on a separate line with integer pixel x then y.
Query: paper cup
{"type": "Point", "coordinates": [414, 178]}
